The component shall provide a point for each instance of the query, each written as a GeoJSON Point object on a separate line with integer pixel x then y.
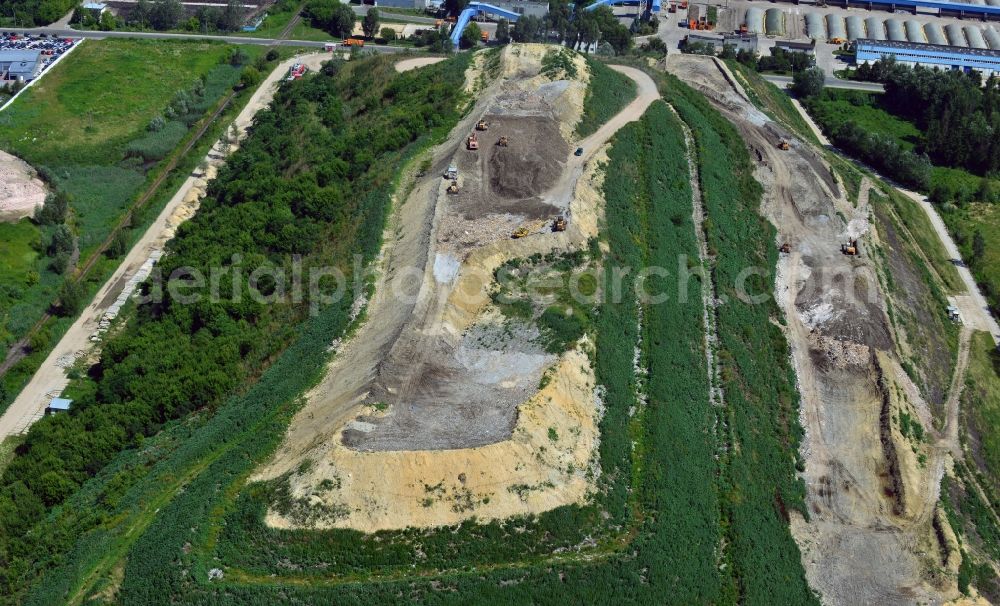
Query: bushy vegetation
{"type": "Point", "coordinates": [85, 127]}
{"type": "Point", "coordinates": [608, 92]}
{"type": "Point", "coordinates": [176, 358]}
{"type": "Point", "coordinates": [30, 13]}
{"type": "Point", "coordinates": [958, 111]}
{"type": "Point", "coordinates": [331, 16]}
{"type": "Point", "coordinates": [779, 61]}
{"type": "Point", "coordinates": [173, 547]}
{"type": "Point", "coordinates": [568, 23]}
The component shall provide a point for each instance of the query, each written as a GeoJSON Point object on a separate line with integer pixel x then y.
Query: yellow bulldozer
{"type": "Point", "coordinates": [783, 145]}
{"type": "Point", "coordinates": [559, 224]}
{"type": "Point", "coordinates": [520, 232]}
{"type": "Point", "coordinates": [850, 249]}
{"type": "Point", "coordinates": [453, 187]}
{"type": "Point", "coordinates": [502, 141]}
{"type": "Point", "coordinates": [482, 125]}
{"type": "Point", "coordinates": [472, 142]}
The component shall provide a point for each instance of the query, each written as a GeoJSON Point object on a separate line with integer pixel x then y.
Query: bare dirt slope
{"type": "Point", "coordinates": [870, 538]}
{"type": "Point", "coordinates": [20, 188]}
{"type": "Point", "coordinates": [50, 378]}
{"type": "Point", "coordinates": [425, 416]}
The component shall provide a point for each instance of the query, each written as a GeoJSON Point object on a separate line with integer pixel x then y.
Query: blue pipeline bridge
{"type": "Point", "coordinates": [477, 8]}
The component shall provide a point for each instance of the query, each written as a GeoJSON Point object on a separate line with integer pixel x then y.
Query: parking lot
{"type": "Point", "coordinates": [50, 47]}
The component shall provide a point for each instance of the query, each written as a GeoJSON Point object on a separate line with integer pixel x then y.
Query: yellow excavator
{"type": "Point", "coordinates": [453, 188]}
{"type": "Point", "coordinates": [527, 229]}
{"type": "Point", "coordinates": [850, 249]}
{"type": "Point", "coordinates": [502, 141]}
{"type": "Point", "coordinates": [783, 145]}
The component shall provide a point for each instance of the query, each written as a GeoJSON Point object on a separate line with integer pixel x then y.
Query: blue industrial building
{"type": "Point", "coordinates": [983, 60]}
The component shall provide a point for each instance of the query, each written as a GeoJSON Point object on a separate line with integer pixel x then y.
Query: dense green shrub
{"type": "Point", "coordinates": [313, 179]}
{"type": "Point", "coordinates": [607, 93]}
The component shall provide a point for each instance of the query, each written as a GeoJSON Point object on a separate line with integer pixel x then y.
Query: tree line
{"type": "Point", "coordinates": [313, 180]}
{"type": "Point", "coordinates": [958, 112]}
{"type": "Point", "coordinates": [163, 15]}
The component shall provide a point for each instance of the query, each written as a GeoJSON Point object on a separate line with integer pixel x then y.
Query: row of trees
{"type": "Point", "coordinates": [29, 13]}
{"type": "Point", "coordinates": [958, 112]}
{"type": "Point", "coordinates": [163, 15]}
{"type": "Point", "coordinates": [313, 179]}
{"type": "Point", "coordinates": [884, 154]}
{"type": "Point", "coordinates": [566, 23]}
{"type": "Point", "coordinates": [331, 16]}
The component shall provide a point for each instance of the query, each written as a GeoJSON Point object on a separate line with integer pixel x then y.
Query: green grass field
{"type": "Point", "coordinates": [17, 251]}
{"type": "Point", "coordinates": [836, 106]}
{"type": "Point", "coordinates": [75, 126]}
{"type": "Point", "coordinates": [981, 402]}
{"type": "Point", "coordinates": [101, 97]}
{"type": "Point", "coordinates": [964, 222]}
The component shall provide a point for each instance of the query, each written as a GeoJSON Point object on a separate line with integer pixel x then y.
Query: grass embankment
{"type": "Point", "coordinates": [84, 126]}
{"type": "Point", "coordinates": [758, 481]}
{"type": "Point", "coordinates": [607, 93]}
{"type": "Point", "coordinates": [218, 453]}
{"type": "Point", "coordinates": [771, 100]}
{"type": "Point", "coordinates": [981, 406]}
{"type": "Point", "coordinates": [650, 223]}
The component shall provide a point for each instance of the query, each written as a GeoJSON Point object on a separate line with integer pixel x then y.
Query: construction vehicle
{"type": "Point", "coordinates": [692, 24]}
{"type": "Point", "coordinates": [672, 8]}
{"type": "Point", "coordinates": [472, 143]}
{"type": "Point", "coordinates": [837, 40]}
{"type": "Point", "coordinates": [453, 187]}
{"type": "Point", "coordinates": [451, 173]}
{"type": "Point", "coordinates": [502, 141]}
{"type": "Point", "coordinates": [850, 249]}
{"type": "Point", "coordinates": [743, 28]}
{"type": "Point", "coordinates": [684, 4]}
{"type": "Point", "coordinates": [528, 229]}
{"type": "Point", "coordinates": [785, 248]}
{"type": "Point", "coordinates": [482, 125]}
{"type": "Point", "coordinates": [485, 37]}
{"type": "Point", "coordinates": [296, 71]}
{"type": "Point", "coordinates": [783, 145]}
{"type": "Point", "coordinates": [559, 224]}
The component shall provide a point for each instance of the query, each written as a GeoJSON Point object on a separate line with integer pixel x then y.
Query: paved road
{"type": "Point", "coordinates": [875, 87]}
{"type": "Point", "coordinates": [72, 33]}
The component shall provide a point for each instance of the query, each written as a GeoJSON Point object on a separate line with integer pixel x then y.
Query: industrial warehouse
{"type": "Point", "coordinates": [983, 60]}
{"type": "Point", "coordinates": [20, 65]}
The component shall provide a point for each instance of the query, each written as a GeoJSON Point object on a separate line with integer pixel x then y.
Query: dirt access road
{"type": "Point", "coordinates": [50, 379]}
{"type": "Point", "coordinates": [972, 304]}
{"type": "Point", "coordinates": [422, 395]}
{"type": "Point", "coordinates": [869, 538]}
